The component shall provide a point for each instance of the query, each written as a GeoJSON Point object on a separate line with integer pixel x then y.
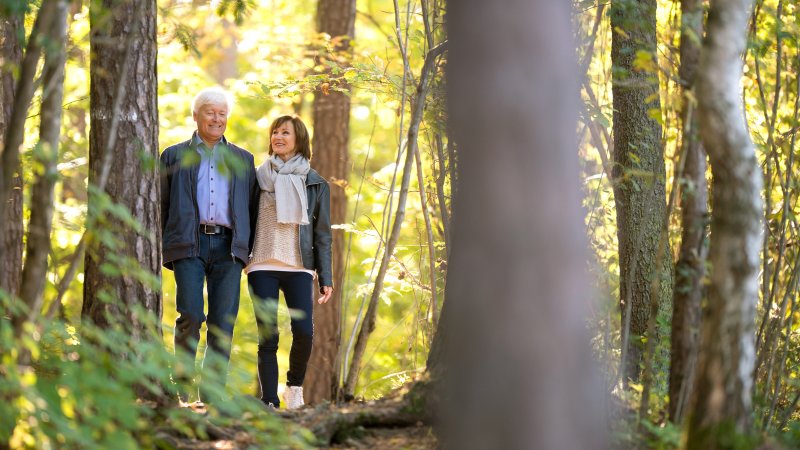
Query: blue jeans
{"type": "Point", "coordinates": [298, 291]}
{"type": "Point", "coordinates": [222, 273]}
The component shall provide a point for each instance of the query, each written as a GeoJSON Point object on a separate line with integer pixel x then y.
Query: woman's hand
{"type": "Point", "coordinates": [326, 291]}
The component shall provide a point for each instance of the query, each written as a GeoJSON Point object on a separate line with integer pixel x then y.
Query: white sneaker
{"type": "Point", "coordinates": [293, 397]}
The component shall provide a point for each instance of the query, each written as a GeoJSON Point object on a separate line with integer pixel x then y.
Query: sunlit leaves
{"type": "Point", "coordinates": [82, 395]}
{"type": "Point", "coordinates": [644, 61]}
{"type": "Point", "coordinates": [360, 76]}
{"type": "Point", "coordinates": [187, 38]}
{"type": "Point", "coordinates": [238, 8]}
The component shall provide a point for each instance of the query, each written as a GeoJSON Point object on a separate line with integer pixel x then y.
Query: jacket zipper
{"type": "Point", "coordinates": [195, 172]}
{"type": "Point", "coordinates": [231, 202]}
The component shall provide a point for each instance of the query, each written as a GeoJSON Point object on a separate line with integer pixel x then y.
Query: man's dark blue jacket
{"type": "Point", "coordinates": [180, 221]}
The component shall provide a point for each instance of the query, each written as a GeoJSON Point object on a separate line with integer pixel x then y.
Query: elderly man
{"type": "Point", "coordinates": [209, 197]}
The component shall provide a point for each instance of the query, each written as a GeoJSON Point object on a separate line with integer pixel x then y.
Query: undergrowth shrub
{"type": "Point", "coordinates": [64, 386]}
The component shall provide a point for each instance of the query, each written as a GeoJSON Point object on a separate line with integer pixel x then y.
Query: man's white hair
{"type": "Point", "coordinates": [212, 96]}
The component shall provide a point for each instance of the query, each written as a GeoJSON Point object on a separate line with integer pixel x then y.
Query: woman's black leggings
{"type": "Point", "coordinates": [297, 289]}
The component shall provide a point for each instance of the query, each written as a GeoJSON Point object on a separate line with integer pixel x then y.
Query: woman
{"type": "Point", "coordinates": [292, 246]}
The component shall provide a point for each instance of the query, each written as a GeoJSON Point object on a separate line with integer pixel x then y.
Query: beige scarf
{"type": "Point", "coordinates": [285, 183]}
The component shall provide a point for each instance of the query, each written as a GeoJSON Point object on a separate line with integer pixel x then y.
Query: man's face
{"type": "Point", "coordinates": [211, 119]}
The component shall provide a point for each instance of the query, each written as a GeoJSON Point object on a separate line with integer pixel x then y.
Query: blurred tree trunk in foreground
{"type": "Point", "coordinates": [517, 275]}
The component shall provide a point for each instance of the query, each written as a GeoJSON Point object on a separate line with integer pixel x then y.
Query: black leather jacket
{"type": "Point", "coordinates": [315, 238]}
{"type": "Point", "coordinates": [179, 215]}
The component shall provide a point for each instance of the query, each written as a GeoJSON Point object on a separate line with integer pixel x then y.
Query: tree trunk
{"type": "Point", "coordinates": [46, 157]}
{"type": "Point", "coordinates": [11, 225]}
{"type": "Point", "coordinates": [331, 137]}
{"type": "Point", "coordinates": [723, 402]}
{"type": "Point", "coordinates": [23, 94]}
{"type": "Point", "coordinates": [227, 51]}
{"type": "Point", "coordinates": [638, 174]}
{"type": "Point", "coordinates": [519, 368]}
{"type": "Point", "coordinates": [690, 269]}
{"type": "Point", "coordinates": [441, 177]}
{"type": "Point", "coordinates": [123, 157]}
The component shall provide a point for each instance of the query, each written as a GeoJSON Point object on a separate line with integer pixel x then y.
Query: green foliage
{"type": "Point", "coordinates": [10, 8]}
{"type": "Point", "coordinates": [662, 437]}
{"type": "Point", "coordinates": [790, 437]}
{"type": "Point", "coordinates": [84, 386]}
{"type": "Point", "coordinates": [724, 435]}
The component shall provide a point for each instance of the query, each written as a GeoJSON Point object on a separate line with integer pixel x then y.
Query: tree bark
{"type": "Point", "coordinates": [517, 277]}
{"type": "Point", "coordinates": [42, 194]}
{"type": "Point", "coordinates": [331, 119]}
{"type": "Point", "coordinates": [11, 225]}
{"type": "Point", "coordinates": [727, 353]}
{"type": "Point", "coordinates": [690, 268]}
{"type": "Point", "coordinates": [638, 174]}
{"type": "Point", "coordinates": [124, 134]}
{"type": "Point", "coordinates": [23, 94]}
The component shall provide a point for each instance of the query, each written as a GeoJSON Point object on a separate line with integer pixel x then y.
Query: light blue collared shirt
{"type": "Point", "coordinates": [213, 183]}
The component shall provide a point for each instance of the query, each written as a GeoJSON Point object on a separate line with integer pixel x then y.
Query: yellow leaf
{"type": "Point", "coordinates": [621, 32]}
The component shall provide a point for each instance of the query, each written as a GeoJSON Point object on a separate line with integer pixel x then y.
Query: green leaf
{"type": "Point", "coordinates": [645, 62]}
{"type": "Point", "coordinates": [655, 114]}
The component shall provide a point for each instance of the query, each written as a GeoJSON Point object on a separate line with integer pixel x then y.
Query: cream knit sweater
{"type": "Point", "coordinates": [277, 245]}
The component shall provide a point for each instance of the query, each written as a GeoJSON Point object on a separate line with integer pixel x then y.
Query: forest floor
{"type": "Point", "coordinates": [381, 424]}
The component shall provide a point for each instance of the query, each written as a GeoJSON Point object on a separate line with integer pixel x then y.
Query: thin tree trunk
{"type": "Point", "coordinates": [434, 305]}
{"type": "Point", "coordinates": [771, 268]}
{"type": "Point", "coordinates": [690, 268]}
{"type": "Point", "coordinates": [368, 325]}
{"type": "Point", "coordinates": [15, 126]}
{"type": "Point", "coordinates": [791, 288]}
{"type": "Point", "coordinates": [441, 177]}
{"type": "Point", "coordinates": [727, 350]}
{"type": "Point", "coordinates": [227, 50]}
{"type": "Point", "coordinates": [519, 372]}
{"type": "Point", "coordinates": [452, 166]}
{"type": "Point", "coordinates": [402, 44]}
{"type": "Point", "coordinates": [767, 351]}
{"type": "Point", "coordinates": [788, 301]}
{"type": "Point", "coordinates": [125, 131]}
{"type": "Point", "coordinates": [11, 225]}
{"type": "Point", "coordinates": [638, 174]}
{"type": "Point", "coordinates": [331, 159]}
{"type": "Point", "coordinates": [42, 195]}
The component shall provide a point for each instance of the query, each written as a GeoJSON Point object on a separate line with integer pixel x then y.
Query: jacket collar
{"type": "Point", "coordinates": [313, 178]}
{"type": "Point", "coordinates": [195, 140]}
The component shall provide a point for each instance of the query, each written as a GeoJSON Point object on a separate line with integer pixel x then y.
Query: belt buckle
{"type": "Point", "coordinates": [206, 227]}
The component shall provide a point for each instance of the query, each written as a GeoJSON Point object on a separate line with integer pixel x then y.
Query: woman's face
{"type": "Point", "coordinates": [283, 141]}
